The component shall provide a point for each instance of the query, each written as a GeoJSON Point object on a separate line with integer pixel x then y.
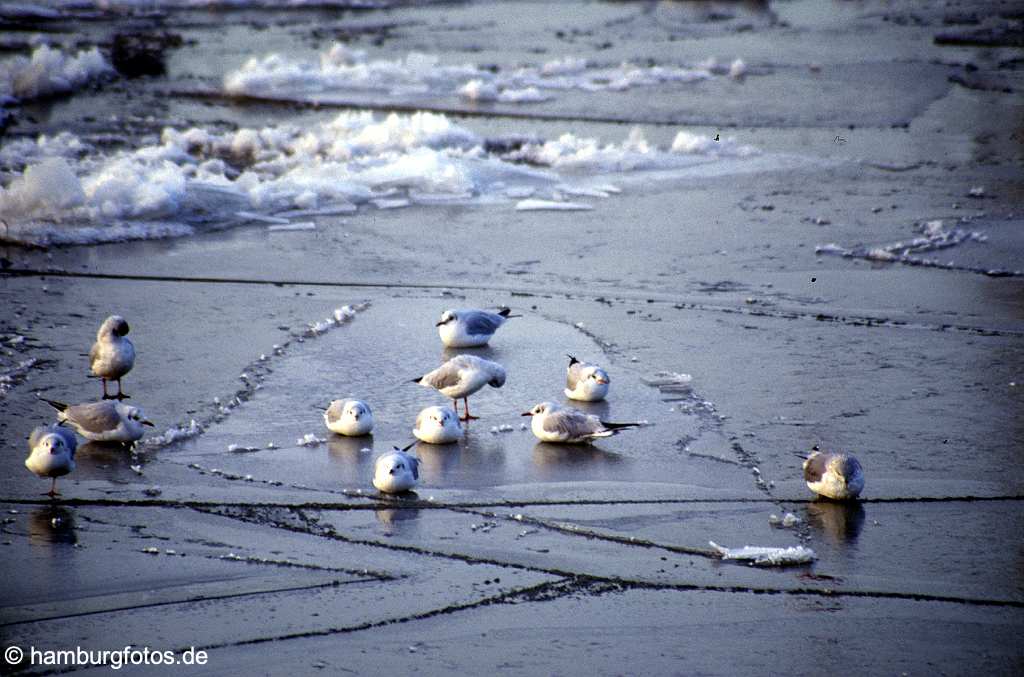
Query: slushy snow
{"type": "Point", "coordinates": [767, 556]}
{"type": "Point", "coordinates": [50, 71]}
{"type": "Point", "coordinates": [340, 70]}
{"type": "Point", "coordinates": [61, 190]}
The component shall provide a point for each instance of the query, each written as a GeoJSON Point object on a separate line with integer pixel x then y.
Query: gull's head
{"type": "Point", "coordinates": [541, 409]}
{"type": "Point", "coordinates": [133, 414]}
{"type": "Point", "coordinates": [597, 375]}
{"type": "Point", "coordinates": [446, 317]}
{"type": "Point", "coordinates": [355, 409]}
{"type": "Point", "coordinates": [845, 466]}
{"type": "Point", "coordinates": [115, 325]}
{"type": "Point", "coordinates": [54, 444]}
{"type": "Point", "coordinates": [497, 375]}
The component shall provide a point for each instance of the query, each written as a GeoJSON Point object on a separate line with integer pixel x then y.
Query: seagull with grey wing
{"type": "Point", "coordinates": [834, 475]}
{"type": "Point", "coordinates": [349, 417]}
{"type": "Point", "coordinates": [553, 423]}
{"type": "Point", "coordinates": [51, 453]}
{"type": "Point", "coordinates": [461, 376]}
{"type": "Point", "coordinates": [112, 355]}
{"type": "Point", "coordinates": [585, 382]}
{"type": "Point", "coordinates": [396, 471]}
{"type": "Point", "coordinates": [470, 327]}
{"type": "Point", "coordinates": [104, 421]}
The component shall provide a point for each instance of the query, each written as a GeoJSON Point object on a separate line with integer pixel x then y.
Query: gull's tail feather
{"type": "Point", "coordinates": [619, 426]}
{"type": "Point", "coordinates": [59, 406]}
{"type": "Point", "coordinates": [572, 360]}
{"type": "Point", "coordinates": [506, 312]}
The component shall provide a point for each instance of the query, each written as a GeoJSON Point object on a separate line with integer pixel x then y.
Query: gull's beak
{"type": "Point", "coordinates": [602, 380]}
{"type": "Point", "coordinates": [147, 422]}
{"type": "Point", "coordinates": [526, 413]}
{"type": "Point", "coordinates": [440, 322]}
{"type": "Point", "coordinates": [391, 472]}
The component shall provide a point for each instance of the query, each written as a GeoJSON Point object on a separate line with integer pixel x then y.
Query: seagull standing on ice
{"type": "Point", "coordinates": [104, 421]}
{"type": "Point", "coordinates": [469, 328]}
{"type": "Point", "coordinates": [552, 423]}
{"type": "Point", "coordinates": [349, 417]}
{"type": "Point", "coordinates": [113, 355]}
{"type": "Point", "coordinates": [585, 382]}
{"type": "Point", "coordinates": [835, 475]}
{"type": "Point", "coordinates": [396, 471]}
{"type": "Point", "coordinates": [437, 425]}
{"type": "Point", "coordinates": [462, 376]}
{"type": "Point", "coordinates": [51, 453]}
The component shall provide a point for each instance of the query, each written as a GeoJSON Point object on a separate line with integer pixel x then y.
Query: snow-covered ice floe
{"type": "Point", "coordinates": [340, 70]}
{"type": "Point", "coordinates": [767, 556]}
{"type": "Point", "coordinates": [61, 190]}
{"type": "Point", "coordinates": [48, 72]}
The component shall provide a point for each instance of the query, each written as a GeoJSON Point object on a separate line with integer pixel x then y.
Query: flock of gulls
{"type": "Point", "coordinates": [52, 448]}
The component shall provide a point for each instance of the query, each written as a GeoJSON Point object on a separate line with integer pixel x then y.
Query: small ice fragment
{"type": "Point", "coordinates": [531, 205]}
{"type": "Point", "coordinates": [767, 556]}
{"type": "Point", "coordinates": [250, 216]}
{"type": "Point", "coordinates": [774, 520]}
{"type": "Point", "coordinates": [394, 203]}
{"type": "Point", "coordinates": [309, 440]}
{"type": "Point", "coordinates": [299, 225]}
{"type": "Point", "coordinates": [790, 520]}
{"type": "Point", "coordinates": [154, 490]}
{"type": "Point", "coordinates": [151, 551]}
{"type": "Point", "coordinates": [737, 69]}
{"type": "Point", "coordinates": [137, 469]}
{"type": "Point", "coordinates": [976, 191]}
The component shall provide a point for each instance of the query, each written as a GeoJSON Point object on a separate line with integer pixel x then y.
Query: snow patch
{"type": "Point", "coordinates": [767, 556]}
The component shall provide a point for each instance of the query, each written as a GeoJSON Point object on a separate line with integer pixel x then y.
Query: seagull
{"type": "Point", "coordinates": [553, 423]}
{"type": "Point", "coordinates": [396, 471]}
{"type": "Point", "coordinates": [51, 453]}
{"type": "Point", "coordinates": [437, 425]}
{"type": "Point", "coordinates": [103, 421]}
{"type": "Point", "coordinates": [462, 376]}
{"type": "Point", "coordinates": [469, 328]}
{"type": "Point", "coordinates": [834, 475]}
{"type": "Point", "coordinates": [349, 417]}
{"type": "Point", "coordinates": [585, 382]}
{"type": "Point", "coordinates": [113, 355]}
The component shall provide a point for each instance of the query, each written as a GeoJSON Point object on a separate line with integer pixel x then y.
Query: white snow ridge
{"type": "Point", "coordinates": [60, 190]}
{"type": "Point", "coordinates": [341, 70]}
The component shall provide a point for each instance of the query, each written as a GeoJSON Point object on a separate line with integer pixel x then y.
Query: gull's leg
{"type": "Point", "coordinates": [468, 415]}
{"type": "Point", "coordinates": [121, 395]}
{"type": "Point", "coordinates": [105, 395]}
{"type": "Point", "coordinates": [53, 488]}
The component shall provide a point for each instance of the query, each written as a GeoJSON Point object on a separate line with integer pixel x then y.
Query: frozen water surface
{"type": "Point", "coordinates": [790, 206]}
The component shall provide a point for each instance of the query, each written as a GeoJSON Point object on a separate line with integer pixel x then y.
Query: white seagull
{"type": "Point", "coordinates": [468, 328]}
{"type": "Point", "coordinates": [437, 425]}
{"type": "Point", "coordinates": [104, 421]}
{"type": "Point", "coordinates": [462, 376]}
{"type": "Point", "coordinates": [396, 471]}
{"type": "Point", "coordinates": [834, 475]}
{"type": "Point", "coordinates": [349, 417]}
{"type": "Point", "coordinates": [585, 382]}
{"type": "Point", "coordinates": [113, 355]}
{"type": "Point", "coordinates": [553, 423]}
{"type": "Point", "coordinates": [51, 453]}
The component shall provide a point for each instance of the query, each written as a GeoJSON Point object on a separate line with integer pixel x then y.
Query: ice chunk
{"type": "Point", "coordinates": [767, 556]}
{"type": "Point", "coordinates": [50, 71]}
{"type": "Point", "coordinates": [531, 205]}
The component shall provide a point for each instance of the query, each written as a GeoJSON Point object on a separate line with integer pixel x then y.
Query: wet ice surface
{"type": "Point", "coordinates": [375, 357]}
